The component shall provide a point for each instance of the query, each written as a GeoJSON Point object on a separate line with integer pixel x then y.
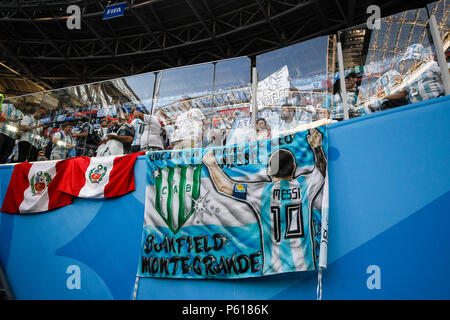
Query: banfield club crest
{"type": "Point", "coordinates": [177, 189]}
{"type": "Point", "coordinates": [97, 173]}
{"type": "Point", "coordinates": [39, 182]}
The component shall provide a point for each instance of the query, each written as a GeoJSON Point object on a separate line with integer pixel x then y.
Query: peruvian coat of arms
{"type": "Point", "coordinates": [97, 173]}
{"type": "Point", "coordinates": [39, 182]}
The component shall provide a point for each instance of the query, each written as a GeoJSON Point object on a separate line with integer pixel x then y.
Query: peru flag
{"type": "Point", "coordinates": [34, 188]}
{"type": "Point", "coordinates": [100, 177]}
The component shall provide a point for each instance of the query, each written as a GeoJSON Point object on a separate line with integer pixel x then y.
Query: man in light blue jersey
{"type": "Point", "coordinates": [285, 206]}
{"type": "Point", "coordinates": [139, 127]}
{"type": "Point", "coordinates": [9, 130]}
{"type": "Point", "coordinates": [423, 81]}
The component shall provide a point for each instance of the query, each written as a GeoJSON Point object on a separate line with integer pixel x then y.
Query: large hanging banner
{"type": "Point", "coordinates": [237, 211]}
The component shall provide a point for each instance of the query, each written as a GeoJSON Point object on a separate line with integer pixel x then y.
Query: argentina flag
{"type": "Point", "coordinates": [237, 211]}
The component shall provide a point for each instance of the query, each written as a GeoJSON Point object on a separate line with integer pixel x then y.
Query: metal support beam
{"type": "Point", "coordinates": [22, 66]}
{"type": "Point", "coordinates": [99, 38]}
{"type": "Point", "coordinates": [202, 21]}
{"type": "Point", "coordinates": [62, 54]}
{"type": "Point", "coordinates": [151, 33]}
{"type": "Point", "coordinates": [342, 80]}
{"type": "Point", "coordinates": [341, 10]}
{"type": "Point", "coordinates": [439, 47]}
{"type": "Point", "coordinates": [254, 105]}
{"type": "Point", "coordinates": [269, 22]}
{"type": "Point", "coordinates": [216, 25]}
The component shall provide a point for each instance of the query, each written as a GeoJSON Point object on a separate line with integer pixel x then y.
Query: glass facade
{"type": "Point", "coordinates": [390, 66]}
{"type": "Point", "coordinates": [212, 104]}
{"type": "Point", "coordinates": [293, 84]}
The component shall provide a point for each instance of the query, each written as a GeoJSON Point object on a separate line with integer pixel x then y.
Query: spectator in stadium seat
{"type": "Point", "coordinates": [9, 130]}
{"type": "Point", "coordinates": [421, 84]}
{"type": "Point", "coordinates": [262, 129]}
{"type": "Point", "coordinates": [86, 138]}
{"type": "Point", "coordinates": [122, 132]}
{"type": "Point", "coordinates": [335, 104]}
{"type": "Point", "coordinates": [151, 134]}
{"type": "Point", "coordinates": [104, 126]}
{"type": "Point", "coordinates": [63, 142]}
{"type": "Point", "coordinates": [188, 132]}
{"type": "Point", "coordinates": [321, 113]}
{"type": "Point", "coordinates": [304, 111]}
{"type": "Point", "coordinates": [287, 118]}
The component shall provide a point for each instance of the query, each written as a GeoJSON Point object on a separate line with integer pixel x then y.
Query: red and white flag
{"type": "Point", "coordinates": [34, 188]}
{"type": "Point", "coordinates": [99, 177]}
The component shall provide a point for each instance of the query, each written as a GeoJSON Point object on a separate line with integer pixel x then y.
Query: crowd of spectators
{"type": "Point", "coordinates": [412, 77]}
{"type": "Point", "coordinates": [25, 136]}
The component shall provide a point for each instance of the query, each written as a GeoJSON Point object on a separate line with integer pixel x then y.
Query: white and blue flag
{"type": "Point", "coordinates": [232, 212]}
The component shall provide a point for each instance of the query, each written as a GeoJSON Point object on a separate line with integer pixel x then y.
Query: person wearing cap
{"type": "Point", "coordinates": [335, 103]}
{"type": "Point", "coordinates": [421, 86]}
{"type": "Point", "coordinates": [123, 132]}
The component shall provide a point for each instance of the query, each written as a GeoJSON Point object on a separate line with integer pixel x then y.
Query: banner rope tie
{"type": "Point", "coordinates": [136, 285]}
{"type": "Point", "coordinates": [319, 284]}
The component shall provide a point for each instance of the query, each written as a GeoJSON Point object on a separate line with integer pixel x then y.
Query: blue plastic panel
{"type": "Point", "coordinates": [389, 207]}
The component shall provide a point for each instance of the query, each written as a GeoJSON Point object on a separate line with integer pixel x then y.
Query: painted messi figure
{"type": "Point", "coordinates": [288, 207]}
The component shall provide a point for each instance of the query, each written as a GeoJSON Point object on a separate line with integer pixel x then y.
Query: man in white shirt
{"type": "Point", "coordinates": [188, 132]}
{"type": "Point", "coordinates": [119, 137]}
{"type": "Point", "coordinates": [149, 132]}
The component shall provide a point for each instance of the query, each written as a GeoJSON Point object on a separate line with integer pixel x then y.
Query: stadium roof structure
{"type": "Point", "coordinates": [38, 52]}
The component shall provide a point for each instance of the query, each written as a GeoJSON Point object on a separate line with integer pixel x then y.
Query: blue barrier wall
{"type": "Point", "coordinates": [389, 207]}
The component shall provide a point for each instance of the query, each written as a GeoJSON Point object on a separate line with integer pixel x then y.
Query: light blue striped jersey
{"type": "Point", "coordinates": [286, 220]}
{"type": "Point", "coordinates": [61, 151]}
{"type": "Point", "coordinates": [427, 86]}
{"type": "Point", "coordinates": [335, 104]}
{"type": "Point", "coordinates": [139, 127]}
{"type": "Point", "coordinates": [31, 136]}
{"type": "Point", "coordinates": [6, 126]}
